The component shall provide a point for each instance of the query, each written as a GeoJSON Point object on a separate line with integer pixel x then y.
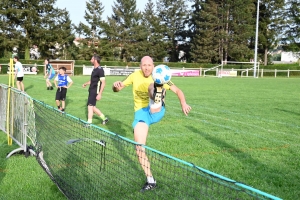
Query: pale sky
{"type": "Point", "coordinates": [76, 8]}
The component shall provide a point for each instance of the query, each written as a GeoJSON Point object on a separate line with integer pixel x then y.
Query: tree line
{"type": "Point", "coordinates": [208, 31]}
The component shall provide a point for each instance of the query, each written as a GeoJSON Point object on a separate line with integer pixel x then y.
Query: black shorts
{"type": "Point", "coordinates": [61, 94]}
{"type": "Point", "coordinates": [92, 98]}
{"type": "Point", "coordinates": [20, 79]}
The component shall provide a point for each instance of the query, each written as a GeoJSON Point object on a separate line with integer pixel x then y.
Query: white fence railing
{"type": "Point", "coordinates": [28, 68]}
{"type": "Point", "coordinates": [216, 71]}
{"type": "Point", "coordinates": [216, 68]}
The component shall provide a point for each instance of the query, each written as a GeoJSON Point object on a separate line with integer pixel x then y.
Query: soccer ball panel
{"type": "Point", "coordinates": [161, 74]}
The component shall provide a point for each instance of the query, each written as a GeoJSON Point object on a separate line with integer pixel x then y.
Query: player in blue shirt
{"type": "Point", "coordinates": [62, 82]}
{"type": "Point", "coordinates": [49, 73]}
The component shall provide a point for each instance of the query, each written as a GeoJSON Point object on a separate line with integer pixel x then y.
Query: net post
{"type": "Point", "coordinates": [10, 84]}
{"type": "Point", "coordinates": [258, 70]}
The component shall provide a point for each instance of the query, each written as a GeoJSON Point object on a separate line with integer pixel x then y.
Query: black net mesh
{"type": "Point", "coordinates": [87, 162]}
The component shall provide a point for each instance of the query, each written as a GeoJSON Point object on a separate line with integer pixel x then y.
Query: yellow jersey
{"type": "Point", "coordinates": [140, 85]}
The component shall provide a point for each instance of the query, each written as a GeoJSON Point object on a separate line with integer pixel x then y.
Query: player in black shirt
{"type": "Point", "coordinates": [97, 84]}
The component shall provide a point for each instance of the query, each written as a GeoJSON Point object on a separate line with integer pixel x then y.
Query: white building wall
{"type": "Point", "coordinates": [290, 56]}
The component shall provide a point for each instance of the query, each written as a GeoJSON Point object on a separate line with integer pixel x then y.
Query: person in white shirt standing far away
{"type": "Point", "coordinates": [19, 73]}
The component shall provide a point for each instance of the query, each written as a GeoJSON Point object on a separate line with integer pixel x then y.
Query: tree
{"type": "Point", "coordinates": [290, 27]}
{"type": "Point", "coordinates": [172, 15]}
{"type": "Point", "coordinates": [9, 35]}
{"type": "Point", "coordinates": [34, 22]}
{"type": "Point", "coordinates": [154, 46]}
{"type": "Point", "coordinates": [222, 30]}
{"type": "Point", "coordinates": [269, 19]}
{"type": "Point", "coordinates": [204, 37]}
{"type": "Point", "coordinates": [124, 30]}
{"type": "Point", "coordinates": [95, 36]}
{"type": "Point", "coordinates": [63, 37]}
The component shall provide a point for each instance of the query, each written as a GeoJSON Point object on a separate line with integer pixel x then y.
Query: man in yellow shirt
{"type": "Point", "coordinates": [147, 111]}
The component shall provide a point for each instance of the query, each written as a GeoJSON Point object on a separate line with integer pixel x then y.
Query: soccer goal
{"type": "Point", "coordinates": [235, 69]}
{"type": "Point", "coordinates": [212, 72]}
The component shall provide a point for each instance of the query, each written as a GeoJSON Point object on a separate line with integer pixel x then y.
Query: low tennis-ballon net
{"type": "Point", "coordinates": [88, 162]}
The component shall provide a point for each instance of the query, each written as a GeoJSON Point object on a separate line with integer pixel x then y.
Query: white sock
{"type": "Point", "coordinates": [150, 179]}
{"type": "Point", "coordinates": [154, 105]}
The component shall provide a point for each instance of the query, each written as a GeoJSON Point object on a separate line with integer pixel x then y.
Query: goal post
{"type": "Point", "coordinates": [242, 69]}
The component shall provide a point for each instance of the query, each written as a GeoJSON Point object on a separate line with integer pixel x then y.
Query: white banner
{"type": "Point", "coordinates": [231, 73]}
{"type": "Point", "coordinates": [87, 70]}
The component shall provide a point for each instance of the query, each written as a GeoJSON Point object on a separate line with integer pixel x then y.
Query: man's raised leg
{"type": "Point", "coordinates": [156, 94]}
{"type": "Point", "coordinates": [140, 136]}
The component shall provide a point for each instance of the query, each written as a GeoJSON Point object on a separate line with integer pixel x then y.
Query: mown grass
{"type": "Point", "coordinates": [245, 129]}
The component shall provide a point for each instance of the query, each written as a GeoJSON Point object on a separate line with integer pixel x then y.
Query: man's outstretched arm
{"type": "Point", "coordinates": [184, 106]}
{"type": "Point", "coordinates": [117, 86]}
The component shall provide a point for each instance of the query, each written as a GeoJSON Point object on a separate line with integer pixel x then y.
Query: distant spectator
{"type": "Point", "coordinates": [49, 73]}
{"type": "Point", "coordinates": [19, 73]}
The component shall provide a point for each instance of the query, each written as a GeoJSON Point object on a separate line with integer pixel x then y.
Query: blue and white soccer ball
{"type": "Point", "coordinates": [161, 74]}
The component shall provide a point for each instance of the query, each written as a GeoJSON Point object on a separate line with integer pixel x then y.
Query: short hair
{"type": "Point", "coordinates": [16, 57]}
{"type": "Point", "coordinates": [47, 59]}
{"type": "Point", "coordinates": [97, 58]}
{"type": "Point", "coordinates": [63, 68]}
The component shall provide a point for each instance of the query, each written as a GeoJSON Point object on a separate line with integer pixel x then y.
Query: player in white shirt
{"type": "Point", "coordinates": [19, 73]}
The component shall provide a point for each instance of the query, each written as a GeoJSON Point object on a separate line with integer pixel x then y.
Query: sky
{"type": "Point", "coordinates": [76, 10]}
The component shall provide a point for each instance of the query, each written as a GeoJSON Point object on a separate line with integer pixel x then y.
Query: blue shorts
{"type": "Point", "coordinates": [51, 76]}
{"type": "Point", "coordinates": [144, 115]}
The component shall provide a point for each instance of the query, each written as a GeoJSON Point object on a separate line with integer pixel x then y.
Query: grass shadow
{"type": "Point", "coordinates": [117, 127]}
{"type": "Point", "coordinates": [67, 102]}
{"type": "Point", "coordinates": [289, 111]}
{"type": "Point", "coordinates": [245, 158]}
{"type": "Point", "coordinates": [29, 88]}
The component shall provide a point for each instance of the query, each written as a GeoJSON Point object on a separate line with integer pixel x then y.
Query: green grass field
{"type": "Point", "coordinates": [245, 129]}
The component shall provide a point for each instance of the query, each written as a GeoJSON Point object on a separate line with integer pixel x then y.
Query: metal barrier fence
{"type": "Point", "coordinates": [17, 118]}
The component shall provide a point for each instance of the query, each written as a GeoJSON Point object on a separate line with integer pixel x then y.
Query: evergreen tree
{"type": "Point", "coordinates": [172, 15]}
{"type": "Point", "coordinates": [35, 23]}
{"type": "Point", "coordinates": [290, 27]}
{"type": "Point", "coordinates": [204, 35]}
{"type": "Point", "coordinates": [124, 30]}
{"type": "Point", "coordinates": [239, 27]}
{"type": "Point", "coordinates": [154, 45]}
{"type": "Point", "coordinates": [9, 34]}
{"type": "Point", "coordinates": [269, 18]}
{"type": "Point", "coordinates": [61, 34]}
{"type": "Point", "coordinates": [221, 30]}
{"type": "Point", "coordinates": [95, 37]}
